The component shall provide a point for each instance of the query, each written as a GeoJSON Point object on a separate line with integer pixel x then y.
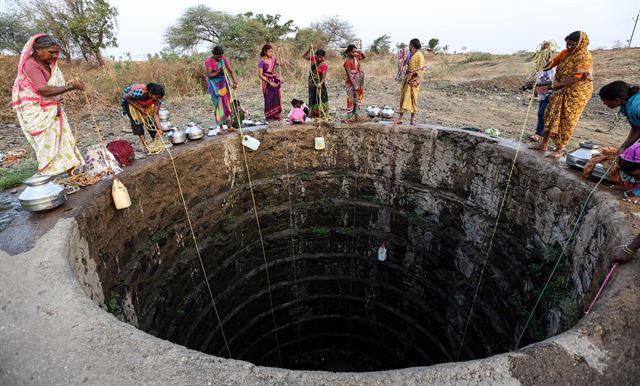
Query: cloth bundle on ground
{"type": "Point", "coordinates": [122, 150]}
{"type": "Point", "coordinates": [608, 154]}
{"type": "Point", "coordinates": [96, 164]}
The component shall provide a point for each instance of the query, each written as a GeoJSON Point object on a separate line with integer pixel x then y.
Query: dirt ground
{"type": "Point", "coordinates": [479, 94]}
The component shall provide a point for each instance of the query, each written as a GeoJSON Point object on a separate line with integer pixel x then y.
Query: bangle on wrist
{"type": "Point", "coordinates": [68, 88]}
{"type": "Point", "coordinates": [629, 251]}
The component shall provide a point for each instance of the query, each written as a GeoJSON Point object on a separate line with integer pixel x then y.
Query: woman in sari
{"type": "Point", "coordinates": [271, 89]}
{"type": "Point", "coordinates": [355, 81]}
{"type": "Point", "coordinates": [36, 100]}
{"type": "Point", "coordinates": [216, 66]}
{"type": "Point", "coordinates": [141, 104]}
{"type": "Point", "coordinates": [411, 82]}
{"type": "Point", "coordinates": [573, 87]}
{"type": "Point", "coordinates": [318, 96]}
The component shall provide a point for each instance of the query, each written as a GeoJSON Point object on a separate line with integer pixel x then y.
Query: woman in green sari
{"type": "Point", "coordinates": [318, 96]}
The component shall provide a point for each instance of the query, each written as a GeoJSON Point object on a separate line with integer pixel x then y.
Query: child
{"type": "Point", "coordinates": [297, 115]}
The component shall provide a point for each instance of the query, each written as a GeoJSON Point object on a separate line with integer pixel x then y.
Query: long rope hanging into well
{"type": "Point", "coordinates": [499, 213]}
{"type": "Point", "coordinates": [235, 112]}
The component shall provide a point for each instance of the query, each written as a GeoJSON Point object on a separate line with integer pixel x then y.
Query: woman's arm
{"type": "Point", "coordinates": [627, 252]}
{"type": "Point", "coordinates": [566, 83]}
{"type": "Point", "coordinates": [323, 77]}
{"type": "Point", "coordinates": [634, 135]}
{"type": "Point", "coordinates": [264, 78]}
{"type": "Point", "coordinates": [361, 55]}
{"type": "Point", "coordinates": [51, 91]}
{"type": "Point", "coordinates": [306, 55]}
{"type": "Point", "coordinates": [233, 76]}
{"type": "Point", "coordinates": [156, 119]}
{"type": "Point", "coordinates": [346, 70]}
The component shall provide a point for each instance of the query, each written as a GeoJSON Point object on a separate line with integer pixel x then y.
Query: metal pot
{"type": "Point", "coordinates": [166, 125]}
{"type": "Point", "coordinates": [387, 112]}
{"type": "Point", "coordinates": [41, 194]}
{"type": "Point", "coordinates": [194, 132]}
{"type": "Point", "coordinates": [579, 157]}
{"type": "Point", "coordinates": [177, 136]}
{"type": "Point", "coordinates": [164, 114]}
{"type": "Point", "coordinates": [373, 111]}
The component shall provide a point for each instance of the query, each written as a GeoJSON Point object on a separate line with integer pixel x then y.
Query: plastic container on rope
{"type": "Point", "coordinates": [120, 195]}
{"type": "Point", "coordinates": [319, 143]}
{"type": "Point", "coordinates": [382, 253]}
{"type": "Point", "coordinates": [250, 142]}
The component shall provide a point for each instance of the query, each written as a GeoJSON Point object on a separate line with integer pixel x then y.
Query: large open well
{"type": "Point", "coordinates": [431, 196]}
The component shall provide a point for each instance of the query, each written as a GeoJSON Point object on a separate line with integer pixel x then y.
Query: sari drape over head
{"type": "Point", "coordinates": [272, 95]}
{"type": "Point", "coordinates": [219, 91]}
{"type": "Point", "coordinates": [43, 120]}
{"type": "Point", "coordinates": [411, 84]}
{"type": "Point", "coordinates": [566, 105]}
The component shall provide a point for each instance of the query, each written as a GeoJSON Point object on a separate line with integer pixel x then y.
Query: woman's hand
{"type": "Point", "coordinates": [234, 85]}
{"type": "Point", "coordinates": [75, 84]}
{"type": "Point", "coordinates": [621, 255]}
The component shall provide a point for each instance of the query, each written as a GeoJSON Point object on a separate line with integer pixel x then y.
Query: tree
{"type": "Point", "coordinates": [433, 43]}
{"type": "Point", "coordinates": [307, 37]}
{"type": "Point", "coordinates": [274, 31]}
{"type": "Point", "coordinates": [381, 45]}
{"type": "Point", "coordinates": [82, 26]}
{"type": "Point", "coordinates": [401, 45]}
{"type": "Point", "coordinates": [14, 31]}
{"type": "Point", "coordinates": [339, 32]}
{"type": "Point", "coordinates": [197, 25]}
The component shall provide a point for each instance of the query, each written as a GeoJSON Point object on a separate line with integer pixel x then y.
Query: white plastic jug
{"type": "Point", "coordinates": [319, 143]}
{"type": "Point", "coordinates": [120, 195]}
{"type": "Point", "coordinates": [382, 253]}
{"type": "Point", "coordinates": [250, 142]}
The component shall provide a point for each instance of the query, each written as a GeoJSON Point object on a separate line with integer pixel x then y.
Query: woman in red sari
{"type": "Point", "coordinates": [271, 89]}
{"type": "Point", "coordinates": [355, 81]}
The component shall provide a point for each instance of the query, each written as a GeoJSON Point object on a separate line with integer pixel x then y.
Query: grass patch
{"type": "Point", "coordinates": [11, 177]}
{"type": "Point", "coordinates": [320, 231]}
{"type": "Point", "coordinates": [114, 303]}
{"type": "Point", "coordinates": [478, 57]}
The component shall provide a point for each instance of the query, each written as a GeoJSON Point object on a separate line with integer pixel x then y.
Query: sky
{"type": "Point", "coordinates": [496, 26]}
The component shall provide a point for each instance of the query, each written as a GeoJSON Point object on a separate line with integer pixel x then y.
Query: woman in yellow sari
{"type": "Point", "coordinates": [411, 81]}
{"type": "Point", "coordinates": [572, 89]}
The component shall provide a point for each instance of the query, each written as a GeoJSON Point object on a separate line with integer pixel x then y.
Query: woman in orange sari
{"type": "Point", "coordinates": [355, 81]}
{"type": "Point", "coordinates": [572, 89]}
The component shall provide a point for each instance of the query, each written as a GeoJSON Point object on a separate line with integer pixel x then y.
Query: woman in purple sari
{"type": "Point", "coordinates": [270, 84]}
{"type": "Point", "coordinates": [218, 87]}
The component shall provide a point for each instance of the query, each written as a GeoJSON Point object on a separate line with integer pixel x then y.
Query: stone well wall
{"type": "Point", "coordinates": [431, 196]}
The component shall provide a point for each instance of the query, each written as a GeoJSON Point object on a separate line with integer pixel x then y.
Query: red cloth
{"type": "Point", "coordinates": [36, 73]}
{"type": "Point", "coordinates": [122, 150]}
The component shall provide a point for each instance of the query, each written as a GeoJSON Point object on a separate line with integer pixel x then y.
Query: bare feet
{"type": "Point", "coordinates": [555, 154]}
{"type": "Point", "coordinates": [399, 122]}
{"type": "Point", "coordinates": [412, 123]}
{"type": "Point", "coordinates": [535, 138]}
{"type": "Point", "coordinates": [539, 146]}
{"type": "Point", "coordinates": [231, 129]}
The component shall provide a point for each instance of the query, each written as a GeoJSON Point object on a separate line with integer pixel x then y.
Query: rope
{"type": "Point", "coordinates": [98, 133]}
{"type": "Point", "coordinates": [255, 211]}
{"type": "Point", "coordinates": [495, 227]}
{"type": "Point", "coordinates": [562, 254]}
{"type": "Point", "coordinates": [195, 242]}
{"type": "Point", "coordinates": [604, 284]}
{"type": "Point", "coordinates": [293, 256]}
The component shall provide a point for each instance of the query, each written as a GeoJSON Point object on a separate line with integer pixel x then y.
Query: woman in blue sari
{"type": "Point", "coordinates": [218, 87]}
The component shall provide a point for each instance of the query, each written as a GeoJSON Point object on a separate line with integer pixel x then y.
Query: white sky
{"type": "Point", "coordinates": [497, 26]}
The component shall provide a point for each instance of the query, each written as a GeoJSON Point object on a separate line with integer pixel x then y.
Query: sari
{"type": "Point", "coordinates": [43, 120]}
{"type": "Point", "coordinates": [272, 95]}
{"type": "Point", "coordinates": [411, 84]}
{"type": "Point", "coordinates": [219, 91]}
{"type": "Point", "coordinates": [566, 105]}
{"type": "Point", "coordinates": [318, 97]}
{"type": "Point", "coordinates": [355, 87]}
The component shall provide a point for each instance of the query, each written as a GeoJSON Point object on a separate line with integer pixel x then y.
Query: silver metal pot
{"type": "Point", "coordinates": [373, 111]}
{"type": "Point", "coordinates": [164, 114]}
{"type": "Point", "coordinates": [194, 132]}
{"type": "Point", "coordinates": [166, 125]}
{"type": "Point", "coordinates": [177, 136]}
{"type": "Point", "coordinates": [41, 194]}
{"type": "Point", "coordinates": [387, 112]}
{"type": "Point", "coordinates": [579, 157]}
